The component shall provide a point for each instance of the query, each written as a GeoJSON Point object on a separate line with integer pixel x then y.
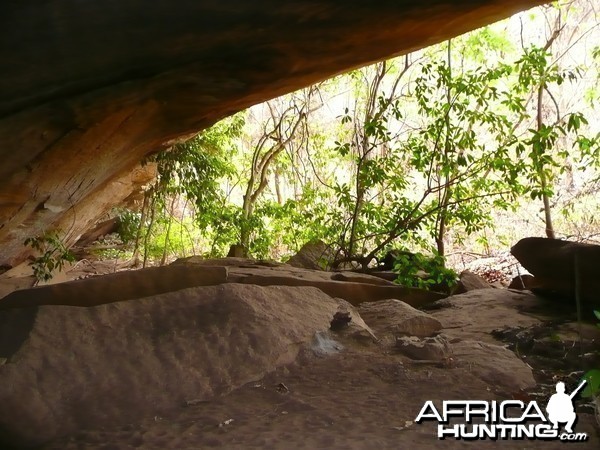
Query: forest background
{"type": "Point", "coordinates": [463, 147]}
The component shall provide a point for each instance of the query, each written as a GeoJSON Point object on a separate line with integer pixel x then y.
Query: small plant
{"type": "Point", "coordinates": [424, 272]}
{"type": "Point", "coordinates": [53, 255]}
{"type": "Point", "coordinates": [592, 388]}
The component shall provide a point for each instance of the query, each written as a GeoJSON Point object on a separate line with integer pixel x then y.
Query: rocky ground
{"type": "Point", "coordinates": [248, 359]}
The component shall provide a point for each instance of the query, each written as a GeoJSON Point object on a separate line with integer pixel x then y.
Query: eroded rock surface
{"type": "Point", "coordinates": [474, 315]}
{"type": "Point", "coordinates": [70, 368]}
{"type": "Point", "coordinates": [313, 255]}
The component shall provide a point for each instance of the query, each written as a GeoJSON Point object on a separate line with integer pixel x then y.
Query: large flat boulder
{"type": "Point", "coordinates": [552, 263]}
{"type": "Point", "coordinates": [355, 289]}
{"type": "Point", "coordinates": [352, 287]}
{"type": "Point", "coordinates": [116, 287]}
{"type": "Point", "coordinates": [476, 314]}
{"type": "Point", "coordinates": [66, 368]}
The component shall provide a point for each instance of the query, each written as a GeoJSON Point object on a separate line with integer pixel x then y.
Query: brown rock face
{"type": "Point", "coordinates": [470, 281]}
{"type": "Point", "coordinates": [552, 263]}
{"type": "Point", "coordinates": [136, 359]}
{"type": "Point", "coordinates": [87, 89]}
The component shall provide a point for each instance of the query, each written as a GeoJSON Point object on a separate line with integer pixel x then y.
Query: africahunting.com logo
{"type": "Point", "coordinates": [510, 419]}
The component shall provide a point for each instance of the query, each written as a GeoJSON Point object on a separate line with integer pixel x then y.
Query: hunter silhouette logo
{"type": "Point", "coordinates": [509, 419]}
{"type": "Point", "coordinates": [560, 407]}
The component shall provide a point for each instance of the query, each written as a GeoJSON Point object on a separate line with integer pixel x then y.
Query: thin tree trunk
{"type": "Point", "coordinates": [149, 230]}
{"type": "Point", "coordinates": [447, 192]}
{"type": "Point", "coordinates": [136, 248]}
{"type": "Point", "coordinates": [163, 260]}
{"type": "Point", "coordinates": [543, 181]}
{"type": "Point", "coordinates": [278, 188]}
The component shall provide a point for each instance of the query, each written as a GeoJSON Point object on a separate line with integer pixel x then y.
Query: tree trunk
{"type": "Point", "coordinates": [543, 181]}
{"type": "Point", "coordinates": [447, 191]}
{"type": "Point", "coordinates": [136, 248]}
{"type": "Point", "coordinates": [150, 225]}
{"type": "Point", "coordinates": [168, 232]}
{"type": "Point", "coordinates": [278, 188]}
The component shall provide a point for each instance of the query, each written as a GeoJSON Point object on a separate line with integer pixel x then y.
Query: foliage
{"type": "Point", "coordinates": [592, 389]}
{"type": "Point", "coordinates": [453, 165]}
{"type": "Point", "coordinates": [419, 151]}
{"type": "Point", "coordinates": [424, 272]}
{"type": "Point", "coordinates": [53, 254]}
{"type": "Point", "coordinates": [192, 169]}
{"type": "Point", "coordinates": [128, 224]}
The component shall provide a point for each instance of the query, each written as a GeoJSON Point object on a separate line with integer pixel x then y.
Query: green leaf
{"type": "Point", "coordinates": [592, 387]}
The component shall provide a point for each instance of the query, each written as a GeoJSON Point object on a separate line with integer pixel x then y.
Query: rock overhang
{"type": "Point", "coordinates": [90, 88]}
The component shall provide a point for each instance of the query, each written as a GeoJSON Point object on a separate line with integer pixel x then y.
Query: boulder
{"type": "Point", "coordinates": [313, 255]}
{"type": "Point", "coordinates": [356, 277]}
{"type": "Point", "coordinates": [493, 364]}
{"type": "Point", "coordinates": [552, 263]}
{"type": "Point", "coordinates": [398, 318]}
{"type": "Point", "coordinates": [118, 286]}
{"type": "Point", "coordinates": [429, 349]}
{"type": "Point", "coordinates": [353, 292]}
{"type": "Point", "coordinates": [476, 314]}
{"type": "Point", "coordinates": [522, 282]}
{"type": "Point", "coordinates": [237, 251]}
{"type": "Point", "coordinates": [194, 271]}
{"type": "Point", "coordinates": [469, 281]}
{"type": "Point", "coordinates": [384, 274]}
{"type": "Point", "coordinates": [69, 368]}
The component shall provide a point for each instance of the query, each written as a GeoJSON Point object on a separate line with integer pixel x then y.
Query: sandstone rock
{"type": "Point", "coordinates": [356, 327]}
{"type": "Point", "coordinates": [98, 230]}
{"type": "Point", "coordinates": [70, 368]}
{"type": "Point", "coordinates": [355, 277]}
{"type": "Point", "coordinates": [430, 348]}
{"type": "Point", "coordinates": [313, 255]}
{"type": "Point", "coordinates": [522, 282]}
{"type": "Point", "coordinates": [493, 364]}
{"type": "Point", "coordinates": [398, 318]}
{"type": "Point", "coordinates": [354, 293]}
{"type": "Point", "coordinates": [194, 271]}
{"type": "Point", "coordinates": [234, 261]}
{"type": "Point", "coordinates": [552, 262]}
{"type": "Point", "coordinates": [385, 275]}
{"type": "Point", "coordinates": [474, 315]}
{"type": "Point", "coordinates": [470, 281]}
{"type": "Point", "coordinates": [118, 286]}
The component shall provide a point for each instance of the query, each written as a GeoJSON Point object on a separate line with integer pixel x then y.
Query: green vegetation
{"type": "Point", "coordinates": [592, 388]}
{"type": "Point", "coordinates": [450, 147]}
{"type": "Point", "coordinates": [52, 255]}
{"type": "Point", "coordinates": [420, 271]}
